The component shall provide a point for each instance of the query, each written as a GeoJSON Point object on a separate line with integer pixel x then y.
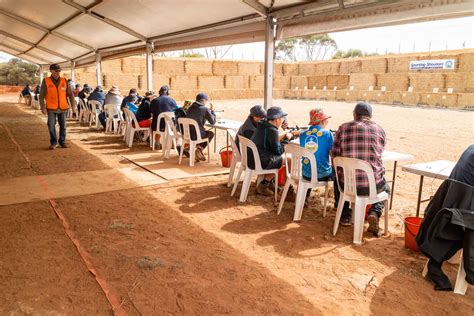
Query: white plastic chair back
{"type": "Point", "coordinates": [246, 144]}
{"type": "Point", "coordinates": [95, 106]}
{"type": "Point", "coordinates": [186, 124]}
{"type": "Point", "coordinates": [349, 167]}
{"type": "Point", "coordinates": [299, 157]}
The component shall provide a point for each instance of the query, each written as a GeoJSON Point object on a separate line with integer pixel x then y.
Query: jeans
{"type": "Point", "coordinates": [61, 117]}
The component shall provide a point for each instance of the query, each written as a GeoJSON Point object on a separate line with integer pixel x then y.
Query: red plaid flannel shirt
{"type": "Point", "coordinates": [363, 140]}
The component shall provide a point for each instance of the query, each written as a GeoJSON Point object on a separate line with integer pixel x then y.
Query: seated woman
{"type": "Point", "coordinates": [319, 140]}
{"type": "Point", "coordinates": [270, 146]}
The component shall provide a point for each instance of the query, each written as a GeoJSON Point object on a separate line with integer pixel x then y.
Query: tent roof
{"type": "Point", "coordinates": [53, 31]}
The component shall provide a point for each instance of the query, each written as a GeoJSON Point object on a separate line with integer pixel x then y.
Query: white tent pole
{"type": "Point", "coordinates": [73, 71]}
{"type": "Point", "coordinates": [149, 66]}
{"type": "Point", "coordinates": [98, 70]}
{"type": "Point", "coordinates": [269, 49]}
{"type": "Point", "coordinates": [41, 74]}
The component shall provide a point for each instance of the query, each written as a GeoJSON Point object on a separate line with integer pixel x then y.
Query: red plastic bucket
{"type": "Point", "coordinates": [282, 176]}
{"type": "Point", "coordinates": [226, 157]}
{"type": "Point", "coordinates": [412, 226]}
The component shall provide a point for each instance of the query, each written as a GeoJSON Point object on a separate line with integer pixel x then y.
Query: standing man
{"type": "Point", "coordinates": [54, 93]}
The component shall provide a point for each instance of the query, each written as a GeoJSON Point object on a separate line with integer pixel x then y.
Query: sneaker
{"type": "Point", "coordinates": [264, 189]}
{"type": "Point", "coordinates": [64, 145]}
{"type": "Point", "coordinates": [53, 146]}
{"type": "Point", "coordinates": [200, 155]}
{"type": "Point", "coordinates": [373, 224]}
{"type": "Point", "coordinates": [345, 220]}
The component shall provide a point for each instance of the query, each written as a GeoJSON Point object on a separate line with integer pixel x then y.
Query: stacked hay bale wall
{"type": "Point", "coordinates": [385, 79]}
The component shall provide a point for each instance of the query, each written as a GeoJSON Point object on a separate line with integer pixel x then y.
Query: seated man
{"type": "Point", "coordinates": [97, 95]}
{"type": "Point", "coordinates": [26, 93]}
{"type": "Point", "coordinates": [319, 140]}
{"type": "Point", "coordinates": [362, 139]}
{"type": "Point", "coordinates": [143, 114]}
{"type": "Point", "coordinates": [257, 113]}
{"type": "Point", "coordinates": [199, 112]}
{"type": "Point", "coordinates": [270, 146]}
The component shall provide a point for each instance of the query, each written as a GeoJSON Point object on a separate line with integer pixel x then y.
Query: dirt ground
{"type": "Point", "coordinates": [187, 247]}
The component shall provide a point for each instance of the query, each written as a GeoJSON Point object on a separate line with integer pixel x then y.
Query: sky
{"type": "Point", "coordinates": [415, 37]}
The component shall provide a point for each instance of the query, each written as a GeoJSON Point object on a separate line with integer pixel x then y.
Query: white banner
{"type": "Point", "coordinates": [432, 64]}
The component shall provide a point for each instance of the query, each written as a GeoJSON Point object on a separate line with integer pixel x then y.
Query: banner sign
{"type": "Point", "coordinates": [432, 64]}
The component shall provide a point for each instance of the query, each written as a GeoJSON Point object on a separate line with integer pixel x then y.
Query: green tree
{"type": "Point", "coordinates": [352, 52]}
{"type": "Point", "coordinates": [286, 49]}
{"type": "Point", "coordinates": [17, 72]}
{"type": "Point", "coordinates": [315, 47]}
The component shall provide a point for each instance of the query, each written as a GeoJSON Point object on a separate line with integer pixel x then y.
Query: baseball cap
{"type": "Point", "coordinates": [201, 96]}
{"type": "Point", "coordinates": [258, 111]}
{"type": "Point", "coordinates": [316, 116]}
{"type": "Point", "coordinates": [275, 112]}
{"type": "Point", "coordinates": [363, 108]}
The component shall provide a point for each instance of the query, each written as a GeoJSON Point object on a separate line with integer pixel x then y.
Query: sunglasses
{"type": "Point", "coordinates": [56, 70]}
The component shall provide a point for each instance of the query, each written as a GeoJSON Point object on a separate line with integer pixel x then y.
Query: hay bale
{"type": "Point", "coordinates": [350, 66]}
{"type": "Point", "coordinates": [134, 65]}
{"type": "Point", "coordinates": [160, 80]}
{"type": "Point", "coordinates": [256, 82]}
{"type": "Point", "coordinates": [370, 65]}
{"type": "Point", "coordinates": [169, 66]}
{"type": "Point", "coordinates": [198, 67]}
{"type": "Point", "coordinates": [317, 81]}
{"type": "Point", "coordinates": [248, 68]}
{"type": "Point", "coordinates": [466, 100]}
{"type": "Point", "coordinates": [425, 82]}
{"type": "Point", "coordinates": [399, 64]}
{"type": "Point", "coordinates": [347, 95]}
{"type": "Point", "coordinates": [462, 82]}
{"type": "Point", "coordinates": [393, 97]}
{"type": "Point", "coordinates": [308, 94]}
{"type": "Point", "coordinates": [280, 82]}
{"type": "Point", "coordinates": [339, 81]}
{"type": "Point", "coordinates": [224, 67]}
{"type": "Point", "coordinates": [411, 98]}
{"type": "Point", "coordinates": [183, 82]}
{"type": "Point", "coordinates": [210, 82]}
{"type": "Point", "coordinates": [112, 66]}
{"type": "Point", "coordinates": [466, 62]}
{"type": "Point", "coordinates": [236, 82]}
{"type": "Point", "coordinates": [327, 67]}
{"type": "Point", "coordinates": [306, 69]}
{"type": "Point", "coordinates": [290, 69]}
{"type": "Point", "coordinates": [393, 81]}
{"type": "Point", "coordinates": [362, 81]}
{"type": "Point", "coordinates": [290, 94]}
{"type": "Point", "coordinates": [277, 69]}
{"type": "Point", "coordinates": [298, 82]}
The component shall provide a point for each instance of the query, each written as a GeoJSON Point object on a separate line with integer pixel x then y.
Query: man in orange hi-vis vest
{"type": "Point", "coordinates": [54, 95]}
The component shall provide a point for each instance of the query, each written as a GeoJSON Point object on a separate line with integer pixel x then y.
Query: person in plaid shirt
{"type": "Point", "coordinates": [362, 139]}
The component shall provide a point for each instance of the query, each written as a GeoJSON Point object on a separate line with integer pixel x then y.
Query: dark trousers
{"type": "Point", "coordinates": [204, 134]}
{"type": "Point", "coordinates": [54, 116]}
{"type": "Point", "coordinates": [376, 207]}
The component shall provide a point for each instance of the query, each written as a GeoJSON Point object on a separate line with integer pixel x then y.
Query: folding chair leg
{"type": "Point", "coordinates": [192, 153]}
{"type": "Point", "coordinates": [246, 185]}
{"type": "Point", "coordinates": [230, 180]}
{"type": "Point", "coordinates": [340, 207]}
{"type": "Point", "coordinates": [283, 194]}
{"type": "Point", "coordinates": [181, 154]}
{"type": "Point", "coordinates": [299, 203]}
{"type": "Point", "coordinates": [461, 284]}
{"type": "Point", "coordinates": [237, 180]}
{"type": "Point", "coordinates": [359, 214]}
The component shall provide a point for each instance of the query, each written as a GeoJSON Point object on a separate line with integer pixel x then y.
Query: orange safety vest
{"type": "Point", "coordinates": [56, 96]}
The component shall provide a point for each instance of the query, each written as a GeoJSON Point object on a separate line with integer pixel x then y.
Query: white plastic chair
{"type": "Point", "coordinates": [186, 123]}
{"type": "Point", "coordinates": [172, 136]}
{"type": "Point", "coordinates": [96, 109]}
{"type": "Point", "coordinates": [235, 157]}
{"type": "Point", "coordinates": [460, 286]}
{"type": "Point", "coordinates": [112, 114]}
{"type": "Point", "coordinates": [161, 117]}
{"type": "Point", "coordinates": [84, 115]}
{"type": "Point", "coordinates": [134, 127]}
{"type": "Point", "coordinates": [300, 155]}
{"type": "Point", "coordinates": [246, 144]}
{"type": "Point", "coordinates": [349, 167]}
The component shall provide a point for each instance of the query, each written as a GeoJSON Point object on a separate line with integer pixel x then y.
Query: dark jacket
{"type": "Point", "coordinates": [129, 98]}
{"type": "Point", "coordinates": [464, 169]}
{"type": "Point", "coordinates": [449, 225]}
{"type": "Point", "coordinates": [97, 96]}
{"type": "Point", "coordinates": [266, 139]}
{"type": "Point", "coordinates": [143, 112]}
{"type": "Point", "coordinates": [247, 130]}
{"type": "Point", "coordinates": [164, 103]}
{"type": "Point", "coordinates": [26, 91]}
{"type": "Point", "coordinates": [201, 113]}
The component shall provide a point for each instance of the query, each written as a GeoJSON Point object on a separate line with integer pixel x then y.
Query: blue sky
{"type": "Point", "coordinates": [450, 34]}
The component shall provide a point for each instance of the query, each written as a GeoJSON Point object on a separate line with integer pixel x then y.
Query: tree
{"type": "Point", "coordinates": [191, 54]}
{"type": "Point", "coordinates": [217, 52]}
{"type": "Point", "coordinates": [350, 53]}
{"type": "Point", "coordinates": [17, 72]}
{"type": "Point", "coordinates": [310, 47]}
